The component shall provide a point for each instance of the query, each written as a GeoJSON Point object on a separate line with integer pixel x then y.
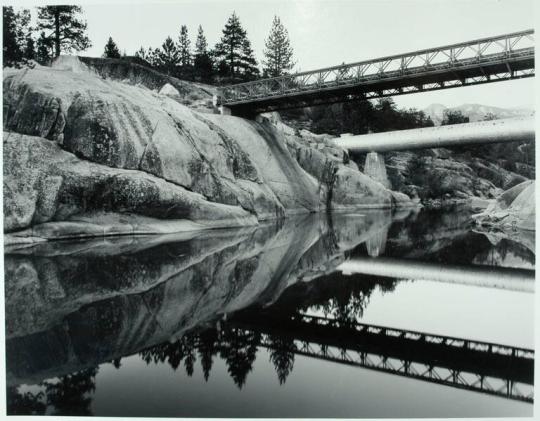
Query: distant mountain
{"type": "Point", "coordinates": [475, 112]}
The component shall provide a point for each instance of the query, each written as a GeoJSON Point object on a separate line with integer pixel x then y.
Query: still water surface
{"type": "Point", "coordinates": [217, 324]}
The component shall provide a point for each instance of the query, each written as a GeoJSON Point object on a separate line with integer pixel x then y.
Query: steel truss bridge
{"type": "Point", "coordinates": [484, 367]}
{"type": "Point", "coordinates": [499, 58]}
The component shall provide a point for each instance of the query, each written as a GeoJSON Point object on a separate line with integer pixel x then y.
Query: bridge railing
{"type": "Point", "coordinates": [485, 50]}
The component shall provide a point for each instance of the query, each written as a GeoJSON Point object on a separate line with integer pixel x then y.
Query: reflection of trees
{"type": "Point", "coordinates": [282, 356]}
{"type": "Point", "coordinates": [69, 395]}
{"type": "Point", "coordinates": [207, 350]}
{"type": "Point", "coordinates": [27, 403]}
{"type": "Point", "coordinates": [172, 353]}
{"type": "Point", "coordinates": [239, 349]}
{"type": "Point", "coordinates": [342, 297]}
{"type": "Point", "coordinates": [189, 349]}
{"type": "Point", "coordinates": [236, 346]}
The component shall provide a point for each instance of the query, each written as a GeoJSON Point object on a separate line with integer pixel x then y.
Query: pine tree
{"type": "Point", "coordinates": [202, 62]}
{"type": "Point", "coordinates": [169, 57]}
{"type": "Point", "coordinates": [201, 45]}
{"type": "Point", "coordinates": [11, 51]}
{"type": "Point", "coordinates": [248, 61]}
{"type": "Point", "coordinates": [184, 48]}
{"type": "Point", "coordinates": [30, 49]}
{"type": "Point", "coordinates": [111, 49]}
{"type": "Point", "coordinates": [234, 52]}
{"type": "Point", "coordinates": [278, 52]}
{"type": "Point", "coordinates": [154, 57]}
{"type": "Point", "coordinates": [44, 49]}
{"type": "Point", "coordinates": [142, 53]}
{"type": "Point", "coordinates": [67, 30]}
{"type": "Point", "coordinates": [16, 35]}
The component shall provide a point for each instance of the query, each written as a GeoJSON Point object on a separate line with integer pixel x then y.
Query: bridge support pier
{"type": "Point", "coordinates": [224, 110]}
{"type": "Point", "coordinates": [375, 168]}
{"type": "Point", "coordinates": [219, 108]}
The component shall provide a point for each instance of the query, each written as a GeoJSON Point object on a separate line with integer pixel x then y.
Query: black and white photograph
{"type": "Point", "coordinates": [268, 209]}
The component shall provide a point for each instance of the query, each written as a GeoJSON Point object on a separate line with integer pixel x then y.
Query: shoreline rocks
{"type": "Point", "coordinates": [512, 211]}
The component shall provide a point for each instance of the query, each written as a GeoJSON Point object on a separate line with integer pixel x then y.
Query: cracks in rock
{"type": "Point", "coordinates": [215, 176]}
{"type": "Point", "coordinates": [55, 131]}
{"type": "Point", "coordinates": [150, 141]}
{"type": "Point", "coordinates": [233, 150]}
{"type": "Point", "coordinates": [329, 177]}
{"type": "Point", "coordinates": [277, 152]}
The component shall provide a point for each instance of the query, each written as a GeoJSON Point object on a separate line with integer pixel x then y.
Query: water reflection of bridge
{"type": "Point", "coordinates": [475, 275]}
{"type": "Point", "coordinates": [490, 368]}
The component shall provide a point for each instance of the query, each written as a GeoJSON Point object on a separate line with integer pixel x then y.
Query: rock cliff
{"type": "Point", "coordinates": [90, 150]}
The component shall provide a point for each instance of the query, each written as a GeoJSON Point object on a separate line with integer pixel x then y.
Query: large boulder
{"type": "Point", "coordinates": [513, 210]}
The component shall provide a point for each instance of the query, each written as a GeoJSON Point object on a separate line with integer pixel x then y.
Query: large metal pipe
{"type": "Point", "coordinates": [481, 132]}
{"type": "Point", "coordinates": [482, 276]}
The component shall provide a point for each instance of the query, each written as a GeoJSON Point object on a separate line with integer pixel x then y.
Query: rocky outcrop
{"type": "Point", "coordinates": [78, 145]}
{"type": "Point", "coordinates": [44, 184]}
{"type": "Point", "coordinates": [512, 210]}
{"type": "Point", "coordinates": [138, 72]}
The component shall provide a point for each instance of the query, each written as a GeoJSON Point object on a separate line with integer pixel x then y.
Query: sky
{"type": "Point", "coordinates": [328, 32]}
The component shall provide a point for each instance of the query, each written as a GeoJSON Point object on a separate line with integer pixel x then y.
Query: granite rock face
{"type": "Point", "coordinates": [45, 184]}
{"type": "Point", "coordinates": [78, 143]}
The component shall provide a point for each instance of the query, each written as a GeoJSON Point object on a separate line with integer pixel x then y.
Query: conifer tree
{"type": "Point", "coordinates": [11, 50]}
{"type": "Point", "coordinates": [202, 62]}
{"type": "Point", "coordinates": [142, 53]}
{"type": "Point", "coordinates": [168, 57]}
{"type": "Point", "coordinates": [64, 28]}
{"type": "Point", "coordinates": [154, 56]}
{"type": "Point", "coordinates": [111, 49]}
{"type": "Point", "coordinates": [16, 36]}
{"type": "Point", "coordinates": [30, 49]}
{"type": "Point", "coordinates": [278, 53]}
{"type": "Point", "coordinates": [234, 52]}
{"type": "Point", "coordinates": [44, 49]}
{"type": "Point", "coordinates": [184, 48]}
{"type": "Point", "coordinates": [201, 45]}
{"type": "Point", "coordinates": [248, 61]}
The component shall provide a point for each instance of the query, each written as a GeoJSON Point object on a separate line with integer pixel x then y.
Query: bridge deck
{"type": "Point", "coordinates": [509, 56]}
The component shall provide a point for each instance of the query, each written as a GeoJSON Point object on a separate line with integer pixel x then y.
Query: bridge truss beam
{"type": "Point", "coordinates": [487, 60]}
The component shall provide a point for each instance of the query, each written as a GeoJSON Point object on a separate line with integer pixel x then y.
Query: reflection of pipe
{"type": "Point", "coordinates": [483, 276]}
{"type": "Point", "coordinates": [480, 132]}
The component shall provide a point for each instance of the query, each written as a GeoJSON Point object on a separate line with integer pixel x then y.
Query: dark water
{"type": "Point", "coordinates": [276, 321]}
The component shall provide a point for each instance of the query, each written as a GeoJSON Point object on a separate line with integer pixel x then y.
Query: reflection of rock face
{"type": "Point", "coordinates": [77, 305]}
{"type": "Point", "coordinates": [510, 249]}
{"type": "Point", "coordinates": [77, 145]}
